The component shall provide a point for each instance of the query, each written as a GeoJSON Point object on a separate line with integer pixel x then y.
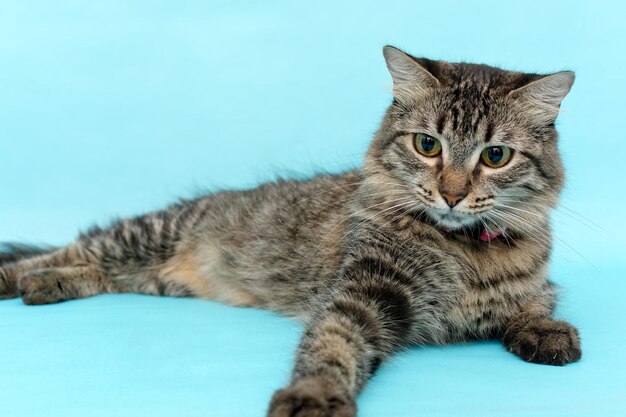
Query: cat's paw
{"type": "Point", "coordinates": [542, 340]}
{"type": "Point", "coordinates": [8, 284]}
{"type": "Point", "coordinates": [41, 286]}
{"type": "Point", "coordinates": [311, 397]}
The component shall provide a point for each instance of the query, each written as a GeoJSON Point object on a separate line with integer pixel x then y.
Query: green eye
{"type": "Point", "coordinates": [496, 156]}
{"type": "Point", "coordinates": [427, 145]}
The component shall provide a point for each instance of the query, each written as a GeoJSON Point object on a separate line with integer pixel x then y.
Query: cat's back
{"type": "Point", "coordinates": [280, 209]}
{"type": "Point", "coordinates": [275, 245]}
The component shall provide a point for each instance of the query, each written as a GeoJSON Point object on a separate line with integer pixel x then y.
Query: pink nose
{"type": "Point", "coordinates": [453, 200]}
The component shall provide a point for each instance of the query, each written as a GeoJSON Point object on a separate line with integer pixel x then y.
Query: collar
{"type": "Point", "coordinates": [487, 235]}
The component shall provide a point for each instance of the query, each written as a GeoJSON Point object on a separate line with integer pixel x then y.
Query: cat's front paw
{"type": "Point", "coordinates": [311, 397]}
{"type": "Point", "coordinates": [542, 340]}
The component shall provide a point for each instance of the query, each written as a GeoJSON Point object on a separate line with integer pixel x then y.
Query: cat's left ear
{"type": "Point", "coordinates": [543, 96]}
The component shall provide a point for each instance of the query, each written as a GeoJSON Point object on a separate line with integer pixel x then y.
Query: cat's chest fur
{"type": "Point", "coordinates": [471, 289]}
{"type": "Point", "coordinates": [493, 288]}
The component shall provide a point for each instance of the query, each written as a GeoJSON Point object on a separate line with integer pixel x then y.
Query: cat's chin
{"type": "Point", "coordinates": [451, 221]}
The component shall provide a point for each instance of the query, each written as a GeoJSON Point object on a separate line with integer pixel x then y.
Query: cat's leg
{"type": "Point", "coordinates": [125, 257]}
{"type": "Point", "coordinates": [345, 343]}
{"type": "Point", "coordinates": [11, 273]}
{"type": "Point", "coordinates": [78, 272]}
{"type": "Point", "coordinates": [538, 338]}
{"type": "Point", "coordinates": [52, 285]}
{"type": "Point", "coordinates": [59, 275]}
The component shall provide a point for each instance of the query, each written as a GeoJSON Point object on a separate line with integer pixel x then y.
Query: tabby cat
{"type": "Point", "coordinates": [442, 236]}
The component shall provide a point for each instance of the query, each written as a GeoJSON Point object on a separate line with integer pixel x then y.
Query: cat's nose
{"type": "Point", "coordinates": [454, 185]}
{"type": "Point", "coordinates": [453, 199]}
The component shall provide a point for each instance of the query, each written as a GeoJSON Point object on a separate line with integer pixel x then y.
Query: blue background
{"type": "Point", "coordinates": [117, 107]}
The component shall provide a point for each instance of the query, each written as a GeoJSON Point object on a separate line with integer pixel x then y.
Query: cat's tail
{"type": "Point", "coordinates": [13, 252]}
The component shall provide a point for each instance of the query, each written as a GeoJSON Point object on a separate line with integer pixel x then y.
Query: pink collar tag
{"type": "Point", "coordinates": [489, 235]}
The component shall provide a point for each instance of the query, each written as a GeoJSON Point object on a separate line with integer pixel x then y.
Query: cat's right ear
{"type": "Point", "coordinates": [409, 77]}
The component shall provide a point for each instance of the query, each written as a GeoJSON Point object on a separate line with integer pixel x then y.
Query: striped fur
{"type": "Point", "coordinates": [368, 258]}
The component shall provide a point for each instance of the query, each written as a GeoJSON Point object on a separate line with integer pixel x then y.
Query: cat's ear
{"type": "Point", "coordinates": [543, 96]}
{"type": "Point", "coordinates": [409, 77]}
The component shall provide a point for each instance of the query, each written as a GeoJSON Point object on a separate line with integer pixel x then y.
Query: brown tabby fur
{"type": "Point", "coordinates": [373, 260]}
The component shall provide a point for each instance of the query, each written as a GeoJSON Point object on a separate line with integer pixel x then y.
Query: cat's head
{"type": "Point", "coordinates": [469, 145]}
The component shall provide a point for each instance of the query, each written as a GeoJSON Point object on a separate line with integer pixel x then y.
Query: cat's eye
{"type": "Point", "coordinates": [496, 156]}
{"type": "Point", "coordinates": [427, 145]}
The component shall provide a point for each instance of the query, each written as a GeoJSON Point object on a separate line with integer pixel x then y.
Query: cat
{"type": "Point", "coordinates": [442, 236]}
